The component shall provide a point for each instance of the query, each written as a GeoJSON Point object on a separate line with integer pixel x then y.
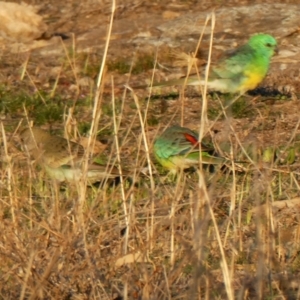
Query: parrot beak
{"type": "Point", "coordinates": [276, 50]}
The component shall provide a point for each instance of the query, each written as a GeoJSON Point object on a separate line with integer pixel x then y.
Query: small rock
{"type": "Point", "coordinates": [20, 23]}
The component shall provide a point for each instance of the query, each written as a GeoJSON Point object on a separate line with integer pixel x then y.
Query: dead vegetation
{"type": "Point", "coordinates": [226, 234]}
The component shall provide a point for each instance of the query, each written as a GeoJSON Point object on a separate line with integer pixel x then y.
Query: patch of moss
{"type": "Point", "coordinates": [241, 108]}
{"type": "Point", "coordinates": [107, 110]}
{"type": "Point", "coordinates": [142, 63]}
{"type": "Point", "coordinates": [84, 127]}
{"type": "Point", "coordinates": [46, 113]}
{"type": "Point", "coordinates": [100, 159]}
{"type": "Point", "coordinates": [213, 113]}
{"type": "Point", "coordinates": [40, 107]}
{"type": "Point", "coordinates": [105, 132]}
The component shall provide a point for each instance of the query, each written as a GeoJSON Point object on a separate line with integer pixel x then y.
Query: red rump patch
{"type": "Point", "coordinates": [191, 139]}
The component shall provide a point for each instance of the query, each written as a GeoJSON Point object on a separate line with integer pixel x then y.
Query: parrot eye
{"type": "Point", "coordinates": [269, 45]}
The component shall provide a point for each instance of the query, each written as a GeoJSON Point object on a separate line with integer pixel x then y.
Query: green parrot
{"type": "Point", "coordinates": [178, 148]}
{"type": "Point", "coordinates": [240, 70]}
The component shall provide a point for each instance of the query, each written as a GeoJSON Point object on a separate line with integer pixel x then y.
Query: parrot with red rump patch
{"type": "Point", "coordinates": [178, 149]}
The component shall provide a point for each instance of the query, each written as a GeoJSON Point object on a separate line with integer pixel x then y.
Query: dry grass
{"type": "Point", "coordinates": [220, 235]}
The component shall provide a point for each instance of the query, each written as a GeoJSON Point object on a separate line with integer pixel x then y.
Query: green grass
{"type": "Point", "coordinates": [143, 62]}
{"type": "Point", "coordinates": [39, 106]}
